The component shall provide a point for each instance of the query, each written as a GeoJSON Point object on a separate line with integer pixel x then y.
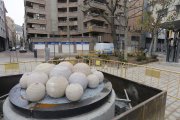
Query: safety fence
{"type": "Point", "coordinates": [17, 67]}
{"type": "Point", "coordinates": [158, 78]}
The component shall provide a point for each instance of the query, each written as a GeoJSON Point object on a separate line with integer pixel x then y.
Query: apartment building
{"type": "Point", "coordinates": [11, 32]}
{"type": "Point", "coordinates": [136, 9]}
{"type": "Point", "coordinates": [3, 40]}
{"type": "Point", "coordinates": [52, 21]}
{"type": "Point", "coordinates": [170, 20]}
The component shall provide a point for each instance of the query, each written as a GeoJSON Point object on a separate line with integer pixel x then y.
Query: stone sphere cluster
{"type": "Point", "coordinates": [60, 80]}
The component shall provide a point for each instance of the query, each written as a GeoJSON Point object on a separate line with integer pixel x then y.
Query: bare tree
{"type": "Point", "coordinates": [152, 21]}
{"type": "Point", "coordinates": [109, 15]}
{"type": "Point", "coordinates": [116, 11]}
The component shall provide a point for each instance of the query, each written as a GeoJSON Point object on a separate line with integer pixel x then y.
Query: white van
{"type": "Point", "coordinates": [104, 48]}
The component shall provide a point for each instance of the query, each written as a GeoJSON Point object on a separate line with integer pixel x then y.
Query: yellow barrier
{"type": "Point", "coordinates": [155, 77]}
{"type": "Point", "coordinates": [153, 73]}
{"type": "Point", "coordinates": [17, 68]}
{"type": "Point", "coordinates": [11, 66]}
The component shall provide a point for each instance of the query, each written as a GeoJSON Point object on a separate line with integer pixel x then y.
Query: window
{"type": "Point", "coordinates": [42, 7]}
{"type": "Point", "coordinates": [72, 0]}
{"type": "Point", "coordinates": [73, 9]}
{"type": "Point", "coordinates": [62, 1]}
{"type": "Point", "coordinates": [178, 9]}
{"type": "Point", "coordinates": [61, 10]}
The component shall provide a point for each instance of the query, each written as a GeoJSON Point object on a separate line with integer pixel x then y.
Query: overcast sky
{"type": "Point", "coordinates": [15, 10]}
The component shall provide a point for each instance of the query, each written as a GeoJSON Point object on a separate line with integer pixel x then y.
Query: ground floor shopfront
{"type": "Point", "coordinates": [3, 44]}
{"type": "Point", "coordinates": [63, 47]}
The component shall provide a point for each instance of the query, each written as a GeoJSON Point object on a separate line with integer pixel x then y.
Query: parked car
{"type": "Point", "coordinates": [104, 48]}
{"type": "Point", "coordinates": [22, 50]}
{"type": "Point", "coordinates": [18, 47]}
{"type": "Point", "coordinates": [13, 49]}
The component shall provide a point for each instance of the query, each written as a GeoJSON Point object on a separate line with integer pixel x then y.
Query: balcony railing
{"type": "Point", "coordinates": [38, 21]}
{"type": "Point", "coordinates": [64, 23]}
{"type": "Point", "coordinates": [38, 31]}
{"type": "Point", "coordinates": [37, 1]}
{"type": "Point", "coordinates": [62, 5]}
{"type": "Point", "coordinates": [97, 29]}
{"type": "Point", "coordinates": [33, 10]}
{"type": "Point", "coordinates": [89, 18]}
{"type": "Point", "coordinates": [98, 5]}
{"type": "Point", "coordinates": [73, 14]}
{"type": "Point", "coordinates": [62, 14]}
{"type": "Point", "coordinates": [73, 4]}
{"type": "Point", "coordinates": [72, 32]}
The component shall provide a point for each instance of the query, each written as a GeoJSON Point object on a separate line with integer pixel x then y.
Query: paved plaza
{"type": "Point", "coordinates": [169, 81]}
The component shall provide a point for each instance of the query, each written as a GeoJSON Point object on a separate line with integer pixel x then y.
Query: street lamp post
{"type": "Point", "coordinates": [68, 34]}
{"type": "Point", "coordinates": [82, 42]}
{"type": "Point", "coordinates": [54, 46]}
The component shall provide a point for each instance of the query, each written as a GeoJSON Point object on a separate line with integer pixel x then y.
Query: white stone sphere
{"type": "Point", "coordinates": [66, 64]}
{"type": "Point", "coordinates": [93, 81]}
{"type": "Point", "coordinates": [82, 67]}
{"type": "Point", "coordinates": [37, 77]}
{"type": "Point", "coordinates": [93, 70]}
{"type": "Point", "coordinates": [56, 86]}
{"type": "Point", "coordinates": [74, 92]}
{"type": "Point", "coordinates": [35, 92]}
{"type": "Point", "coordinates": [61, 71]}
{"type": "Point", "coordinates": [99, 75]}
{"type": "Point", "coordinates": [23, 80]}
{"type": "Point", "coordinates": [44, 67]}
{"type": "Point", "coordinates": [79, 78]}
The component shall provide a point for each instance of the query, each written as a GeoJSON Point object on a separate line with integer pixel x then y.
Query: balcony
{"type": "Point", "coordinates": [62, 5]}
{"type": "Point", "coordinates": [73, 14]}
{"type": "Point", "coordinates": [37, 1]}
{"type": "Point", "coordinates": [73, 4]}
{"type": "Point", "coordinates": [71, 23]}
{"type": "Point", "coordinates": [97, 29]}
{"type": "Point", "coordinates": [37, 21]}
{"type": "Point", "coordinates": [36, 31]}
{"type": "Point", "coordinates": [31, 10]}
{"type": "Point", "coordinates": [72, 32]}
{"type": "Point", "coordinates": [62, 14]}
{"type": "Point", "coordinates": [63, 32]}
{"type": "Point", "coordinates": [98, 5]}
{"type": "Point", "coordinates": [89, 18]}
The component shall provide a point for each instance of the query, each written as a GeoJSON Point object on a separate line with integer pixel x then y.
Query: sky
{"type": "Point", "coordinates": [15, 10]}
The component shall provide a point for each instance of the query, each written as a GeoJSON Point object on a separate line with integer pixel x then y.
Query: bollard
{"type": "Point", "coordinates": [47, 54]}
{"type": "Point", "coordinates": [35, 53]}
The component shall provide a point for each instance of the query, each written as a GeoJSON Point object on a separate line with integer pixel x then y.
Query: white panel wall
{"type": "Point", "coordinates": [84, 47]}
{"type": "Point", "coordinates": [65, 48]}
{"type": "Point", "coordinates": [39, 46]}
{"type": "Point", "coordinates": [51, 47]}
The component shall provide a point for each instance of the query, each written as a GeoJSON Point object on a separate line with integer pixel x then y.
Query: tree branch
{"type": "Point", "coordinates": [134, 8]}
{"type": "Point", "coordinates": [107, 5]}
{"type": "Point", "coordinates": [115, 6]}
{"type": "Point", "coordinates": [133, 3]}
{"type": "Point", "coordinates": [134, 16]}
